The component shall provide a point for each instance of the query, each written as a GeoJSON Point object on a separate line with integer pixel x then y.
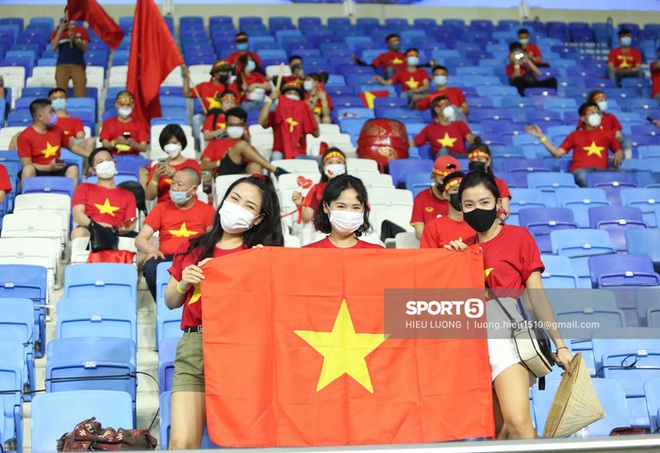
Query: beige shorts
{"type": "Point", "coordinates": [189, 364]}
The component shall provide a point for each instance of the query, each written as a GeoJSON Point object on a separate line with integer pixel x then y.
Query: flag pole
{"type": "Point", "coordinates": [279, 77]}
{"type": "Point", "coordinates": [194, 87]}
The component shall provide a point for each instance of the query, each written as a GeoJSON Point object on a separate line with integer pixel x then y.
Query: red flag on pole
{"type": "Point", "coordinates": [98, 20]}
{"type": "Point", "coordinates": [154, 54]}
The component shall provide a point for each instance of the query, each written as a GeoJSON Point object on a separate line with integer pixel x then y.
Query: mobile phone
{"type": "Point", "coordinates": [127, 135]}
{"type": "Point", "coordinates": [162, 161]}
{"type": "Point", "coordinates": [59, 161]}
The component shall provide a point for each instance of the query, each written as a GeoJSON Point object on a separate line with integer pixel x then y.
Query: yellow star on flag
{"type": "Point", "coordinates": [447, 141]}
{"type": "Point", "coordinates": [66, 132]}
{"type": "Point", "coordinates": [106, 208]}
{"type": "Point", "coordinates": [50, 150]}
{"type": "Point", "coordinates": [594, 149]}
{"type": "Point", "coordinates": [220, 125]}
{"type": "Point", "coordinates": [396, 61]}
{"type": "Point", "coordinates": [168, 181]}
{"type": "Point", "coordinates": [183, 232]}
{"type": "Point", "coordinates": [292, 123]}
{"type": "Point", "coordinates": [487, 272]}
{"type": "Point", "coordinates": [197, 293]}
{"type": "Point", "coordinates": [213, 103]}
{"type": "Point", "coordinates": [412, 83]}
{"type": "Point", "coordinates": [343, 350]}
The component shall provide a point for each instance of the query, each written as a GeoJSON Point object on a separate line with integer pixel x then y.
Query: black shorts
{"type": "Point", "coordinates": [62, 172]}
{"type": "Point", "coordinates": [228, 167]}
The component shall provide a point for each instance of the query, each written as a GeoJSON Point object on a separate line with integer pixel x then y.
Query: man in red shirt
{"type": "Point", "coordinates": [590, 146]}
{"type": "Point", "coordinates": [73, 127]}
{"type": "Point", "coordinates": [624, 61]}
{"type": "Point", "coordinates": [71, 42]}
{"type": "Point", "coordinates": [609, 121]}
{"type": "Point", "coordinates": [655, 78]}
{"type": "Point", "coordinates": [123, 134]}
{"type": "Point", "coordinates": [215, 125]}
{"type": "Point", "coordinates": [446, 134]}
{"type": "Point", "coordinates": [39, 145]}
{"type": "Point", "coordinates": [297, 71]}
{"type": "Point", "coordinates": [242, 46]}
{"type": "Point", "coordinates": [454, 94]}
{"type": "Point", "coordinates": [391, 61]}
{"type": "Point", "coordinates": [522, 71]}
{"type": "Point", "coordinates": [450, 227]}
{"type": "Point", "coordinates": [413, 79]}
{"type": "Point", "coordinates": [103, 202]}
{"type": "Point", "coordinates": [176, 220]}
{"type": "Point", "coordinates": [5, 183]}
{"type": "Point", "coordinates": [208, 91]}
{"type": "Point", "coordinates": [319, 101]}
{"type": "Point", "coordinates": [532, 50]}
{"type": "Point", "coordinates": [431, 203]}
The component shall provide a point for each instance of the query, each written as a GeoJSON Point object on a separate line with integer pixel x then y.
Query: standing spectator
{"type": "Point", "coordinates": [454, 94]}
{"type": "Point", "coordinates": [531, 49]}
{"type": "Point", "coordinates": [624, 61]}
{"type": "Point", "coordinates": [319, 101]}
{"type": "Point", "coordinates": [608, 121]}
{"type": "Point", "coordinates": [413, 79]}
{"type": "Point", "coordinates": [522, 71]}
{"type": "Point", "coordinates": [71, 41]}
{"type": "Point", "coordinates": [655, 78]}
{"type": "Point", "coordinates": [72, 127]}
{"type": "Point", "coordinates": [253, 85]}
{"type": "Point", "coordinates": [208, 91]}
{"type": "Point", "coordinates": [215, 125]}
{"type": "Point", "coordinates": [5, 183]}
{"type": "Point", "coordinates": [446, 134]}
{"type": "Point", "coordinates": [391, 61]}
{"type": "Point", "coordinates": [123, 134]}
{"type": "Point", "coordinates": [242, 46]}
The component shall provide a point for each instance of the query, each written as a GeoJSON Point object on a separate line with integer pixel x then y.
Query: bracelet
{"type": "Point", "coordinates": [544, 139]}
{"type": "Point", "coordinates": [562, 347]}
{"type": "Point", "coordinates": [179, 290]}
{"type": "Point", "coordinates": [217, 163]}
{"type": "Point", "coordinates": [154, 182]}
{"type": "Point", "coordinates": [269, 101]}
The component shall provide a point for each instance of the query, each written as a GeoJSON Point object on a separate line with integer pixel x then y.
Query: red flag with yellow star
{"type": "Point", "coordinates": [98, 19]}
{"type": "Point", "coordinates": [299, 358]}
{"type": "Point", "coordinates": [369, 96]}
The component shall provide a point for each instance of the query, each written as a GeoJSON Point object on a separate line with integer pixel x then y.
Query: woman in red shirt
{"type": "Point", "coordinates": [253, 84]}
{"type": "Point", "coordinates": [481, 158]}
{"type": "Point", "coordinates": [343, 214]}
{"type": "Point", "coordinates": [249, 216]}
{"type": "Point", "coordinates": [513, 267]}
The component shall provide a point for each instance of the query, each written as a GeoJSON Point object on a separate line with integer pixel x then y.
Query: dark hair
{"type": "Point", "coordinates": [523, 31]}
{"type": "Point", "coordinates": [267, 232]}
{"type": "Point", "coordinates": [624, 31]}
{"type": "Point", "coordinates": [515, 46]}
{"type": "Point", "coordinates": [410, 50]}
{"type": "Point", "coordinates": [439, 66]}
{"type": "Point", "coordinates": [238, 113]}
{"type": "Point", "coordinates": [452, 176]}
{"type": "Point", "coordinates": [295, 57]}
{"type": "Point", "coordinates": [57, 90]}
{"type": "Point", "coordinates": [315, 76]}
{"type": "Point", "coordinates": [241, 34]}
{"type": "Point", "coordinates": [124, 93]}
{"type": "Point", "coordinates": [92, 155]}
{"type": "Point", "coordinates": [479, 145]}
{"type": "Point", "coordinates": [477, 178]}
{"type": "Point", "coordinates": [436, 101]}
{"type": "Point", "coordinates": [243, 61]}
{"type": "Point", "coordinates": [37, 105]}
{"type": "Point", "coordinates": [172, 130]}
{"type": "Point", "coordinates": [392, 35]}
{"type": "Point", "coordinates": [593, 93]}
{"type": "Point", "coordinates": [333, 191]}
{"type": "Point", "coordinates": [586, 105]}
{"type": "Point", "coordinates": [192, 172]}
{"type": "Point", "coordinates": [333, 149]}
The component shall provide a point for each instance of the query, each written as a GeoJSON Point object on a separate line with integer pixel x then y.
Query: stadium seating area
{"type": "Point", "coordinates": [104, 328]}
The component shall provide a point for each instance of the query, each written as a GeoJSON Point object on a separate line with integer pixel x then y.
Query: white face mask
{"type": "Point", "coordinates": [345, 222]}
{"type": "Point", "coordinates": [448, 112]}
{"type": "Point", "coordinates": [332, 170]}
{"type": "Point", "coordinates": [594, 120]}
{"type": "Point", "coordinates": [412, 61]}
{"type": "Point", "coordinates": [235, 132]}
{"type": "Point", "coordinates": [440, 80]}
{"type": "Point", "coordinates": [523, 41]}
{"type": "Point", "coordinates": [106, 169]}
{"type": "Point", "coordinates": [235, 219]}
{"type": "Point", "coordinates": [602, 105]}
{"type": "Point", "coordinates": [292, 96]}
{"type": "Point", "coordinates": [125, 111]}
{"type": "Point", "coordinates": [307, 85]}
{"type": "Point", "coordinates": [172, 150]}
{"type": "Point", "coordinates": [251, 65]}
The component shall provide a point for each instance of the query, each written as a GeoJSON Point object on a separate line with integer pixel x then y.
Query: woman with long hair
{"type": "Point", "coordinates": [481, 158]}
{"type": "Point", "coordinates": [253, 84]}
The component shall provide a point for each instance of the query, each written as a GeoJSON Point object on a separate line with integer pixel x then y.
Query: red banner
{"type": "Point", "coordinates": [297, 355]}
{"type": "Point", "coordinates": [99, 21]}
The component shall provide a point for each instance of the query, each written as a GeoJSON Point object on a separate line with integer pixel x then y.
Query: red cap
{"type": "Point", "coordinates": [445, 165]}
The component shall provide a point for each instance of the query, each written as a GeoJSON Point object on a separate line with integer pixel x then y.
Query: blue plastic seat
{"type": "Point", "coordinates": [48, 184]}
{"type": "Point", "coordinates": [11, 402]}
{"type": "Point", "coordinates": [17, 326]}
{"type": "Point", "coordinates": [647, 200]}
{"type": "Point", "coordinates": [542, 221]}
{"type": "Point", "coordinates": [579, 245]}
{"type": "Point", "coordinates": [524, 165]}
{"type": "Point", "coordinates": [168, 322]}
{"type": "Point", "coordinates": [612, 182]}
{"type": "Point", "coordinates": [550, 181]}
{"type": "Point", "coordinates": [652, 395]}
{"type": "Point", "coordinates": [102, 281]}
{"type": "Point", "coordinates": [646, 242]}
{"type": "Point", "coordinates": [400, 168]}
{"type": "Point", "coordinates": [558, 273]}
{"type": "Point", "coordinates": [92, 317]}
{"type": "Point", "coordinates": [523, 199]}
{"type": "Point", "coordinates": [580, 201]}
{"type": "Point", "coordinates": [166, 355]}
{"type": "Point", "coordinates": [622, 270]}
{"type": "Point", "coordinates": [616, 221]}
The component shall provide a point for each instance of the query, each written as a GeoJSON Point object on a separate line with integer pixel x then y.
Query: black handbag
{"type": "Point", "coordinates": [102, 238]}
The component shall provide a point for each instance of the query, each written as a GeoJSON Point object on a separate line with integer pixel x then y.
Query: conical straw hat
{"type": "Point", "coordinates": [576, 403]}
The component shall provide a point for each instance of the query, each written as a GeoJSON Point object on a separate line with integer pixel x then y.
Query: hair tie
{"type": "Point", "coordinates": [259, 176]}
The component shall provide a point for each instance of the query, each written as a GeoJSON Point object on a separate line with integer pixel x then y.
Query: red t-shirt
{"type": "Point", "coordinates": [509, 259]}
{"type": "Point", "coordinates": [438, 136]}
{"type": "Point", "coordinates": [655, 79]}
{"type": "Point", "coordinates": [255, 77]}
{"type": "Point", "coordinates": [503, 188]}
{"type": "Point", "coordinates": [291, 122]}
{"type": "Point", "coordinates": [216, 149]}
{"type": "Point", "coordinates": [42, 148]}
{"type": "Point", "coordinates": [621, 59]}
{"type": "Point", "coordinates": [510, 69]}
{"type": "Point", "coordinates": [214, 123]}
{"type": "Point", "coordinates": [177, 225]}
{"type": "Point", "coordinates": [164, 182]}
{"type": "Point", "coordinates": [318, 107]}
{"type": "Point", "coordinates": [70, 125]}
{"type": "Point", "coordinates": [455, 96]}
{"type": "Point", "coordinates": [208, 91]}
{"type": "Point", "coordinates": [326, 244]}
{"type": "Point", "coordinates": [104, 205]}
{"type": "Point", "coordinates": [533, 50]}
{"type": "Point", "coordinates": [314, 195]}
{"type": "Point", "coordinates": [232, 59]}
{"type": "Point", "coordinates": [608, 121]}
{"type": "Point", "coordinates": [192, 303]}
{"type": "Point", "coordinates": [443, 230]}
{"type": "Point", "coordinates": [410, 80]}
{"type": "Point", "coordinates": [390, 59]}
{"type": "Point", "coordinates": [113, 128]}
{"type": "Point", "coordinates": [590, 148]}
{"type": "Point", "coordinates": [427, 206]}
{"type": "Point", "coordinates": [5, 183]}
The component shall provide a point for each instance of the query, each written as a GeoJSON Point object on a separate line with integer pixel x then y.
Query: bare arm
{"type": "Point", "coordinates": [263, 114]}
{"type": "Point", "coordinates": [52, 166]}
{"type": "Point", "coordinates": [307, 214]}
{"type": "Point", "coordinates": [382, 81]}
{"type": "Point", "coordinates": [419, 229]}
{"type": "Point", "coordinates": [79, 215]}
{"type": "Point", "coordinates": [143, 244]}
{"type": "Point", "coordinates": [465, 108]}
{"type": "Point", "coordinates": [536, 131]}
{"type": "Point", "coordinates": [190, 276]}
{"type": "Point", "coordinates": [2, 195]}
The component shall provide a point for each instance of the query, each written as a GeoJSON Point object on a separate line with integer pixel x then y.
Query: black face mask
{"type": "Point", "coordinates": [454, 201]}
{"type": "Point", "coordinates": [222, 78]}
{"type": "Point", "coordinates": [475, 165]}
{"type": "Point", "coordinates": [480, 220]}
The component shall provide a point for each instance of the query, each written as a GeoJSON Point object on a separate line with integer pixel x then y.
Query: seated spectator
{"type": "Point", "coordinates": [234, 155]}
{"type": "Point", "coordinates": [451, 227]}
{"type": "Point", "coordinates": [590, 146]}
{"type": "Point", "coordinates": [391, 61]}
{"type": "Point", "coordinates": [481, 159]}
{"type": "Point", "coordinates": [454, 94]}
{"type": "Point", "coordinates": [608, 121]}
{"type": "Point", "coordinates": [242, 46]}
{"type": "Point", "coordinates": [531, 49]}
{"type": "Point", "coordinates": [655, 78]}
{"type": "Point", "coordinates": [176, 219]}
{"type": "Point", "coordinates": [297, 71]}
{"type": "Point", "coordinates": [5, 183]}
{"type": "Point", "coordinates": [208, 91]}
{"type": "Point", "coordinates": [522, 71]}
{"type": "Point", "coordinates": [431, 203]}
{"type": "Point", "coordinates": [253, 85]}
{"type": "Point", "coordinates": [3, 90]}
{"type": "Point", "coordinates": [413, 79]}
{"type": "Point", "coordinates": [40, 145]}
{"type": "Point", "coordinates": [446, 134]}
{"type": "Point", "coordinates": [73, 127]}
{"type": "Point", "coordinates": [333, 163]}
{"type": "Point", "coordinates": [624, 61]}
{"type": "Point", "coordinates": [173, 141]}
{"type": "Point", "coordinates": [215, 125]}
{"type": "Point", "coordinates": [291, 121]}
{"type": "Point", "coordinates": [123, 134]}
{"type": "Point", "coordinates": [319, 101]}
{"type": "Point", "coordinates": [103, 202]}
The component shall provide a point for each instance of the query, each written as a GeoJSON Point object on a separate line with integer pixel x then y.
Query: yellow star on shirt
{"type": "Point", "coordinates": [50, 150]}
{"type": "Point", "coordinates": [213, 103]}
{"type": "Point", "coordinates": [396, 61]}
{"type": "Point", "coordinates": [66, 132]}
{"type": "Point", "coordinates": [343, 350]}
{"type": "Point", "coordinates": [292, 123]}
{"type": "Point", "coordinates": [106, 208]}
{"type": "Point", "coordinates": [624, 64]}
{"type": "Point", "coordinates": [412, 83]}
{"type": "Point", "coordinates": [447, 141]}
{"type": "Point", "coordinates": [197, 293]}
{"type": "Point", "coordinates": [594, 149]}
{"type": "Point", "coordinates": [183, 232]}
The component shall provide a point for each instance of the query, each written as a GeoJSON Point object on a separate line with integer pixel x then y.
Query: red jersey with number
{"type": "Point", "coordinates": [42, 148]}
{"type": "Point", "coordinates": [455, 96]}
{"type": "Point", "coordinates": [112, 129]}
{"type": "Point", "coordinates": [326, 244]}
{"type": "Point", "coordinates": [427, 206]}
{"type": "Point", "coordinates": [164, 182]}
{"type": "Point", "coordinates": [318, 107]}
{"type": "Point", "coordinates": [391, 59]}
{"type": "Point", "coordinates": [443, 230]}
{"type": "Point", "coordinates": [627, 59]}
{"type": "Point", "coordinates": [608, 121]}
{"type": "Point", "coordinates": [410, 79]}
{"type": "Point", "coordinates": [451, 136]}
{"type": "Point", "coordinates": [70, 125]}
{"type": "Point", "coordinates": [192, 302]}
{"type": "Point", "coordinates": [104, 205]}
{"type": "Point", "coordinates": [176, 225]}
{"type": "Point", "coordinates": [291, 122]}
{"type": "Point", "coordinates": [314, 195]}
{"type": "Point", "coordinates": [590, 148]}
{"type": "Point", "coordinates": [5, 183]}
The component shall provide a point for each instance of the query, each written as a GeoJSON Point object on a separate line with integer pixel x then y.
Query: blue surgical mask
{"type": "Point", "coordinates": [242, 46]}
{"type": "Point", "coordinates": [251, 66]}
{"type": "Point", "coordinates": [180, 197]}
{"type": "Point", "coordinates": [626, 41]}
{"type": "Point", "coordinates": [59, 104]}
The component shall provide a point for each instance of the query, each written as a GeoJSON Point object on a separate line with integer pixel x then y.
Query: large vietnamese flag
{"type": "Point", "coordinates": [153, 56]}
{"type": "Point", "coordinates": [295, 352]}
{"type": "Point", "coordinates": [99, 21]}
